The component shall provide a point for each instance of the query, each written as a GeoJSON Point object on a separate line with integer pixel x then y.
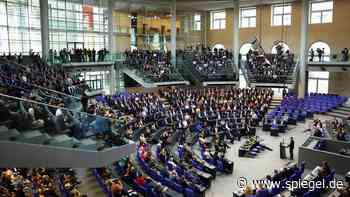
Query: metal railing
{"type": "Point", "coordinates": [88, 124]}
{"type": "Point", "coordinates": [172, 75]}
{"type": "Point", "coordinates": [109, 57]}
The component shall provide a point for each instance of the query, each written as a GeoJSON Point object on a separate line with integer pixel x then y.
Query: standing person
{"type": "Point", "coordinates": [284, 92]}
{"type": "Point", "coordinates": [346, 54]}
{"type": "Point", "coordinates": [322, 56]}
{"type": "Point", "coordinates": [319, 54]}
{"type": "Point", "coordinates": [84, 101]}
{"type": "Point", "coordinates": [93, 55]}
{"type": "Point", "coordinates": [291, 148]}
{"type": "Point", "coordinates": [312, 55]}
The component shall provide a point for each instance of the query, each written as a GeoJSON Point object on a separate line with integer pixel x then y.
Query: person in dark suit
{"type": "Point", "coordinates": [291, 148]}
{"type": "Point", "coordinates": [84, 101]}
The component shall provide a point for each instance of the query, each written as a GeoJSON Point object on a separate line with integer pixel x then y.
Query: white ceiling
{"type": "Point", "coordinates": [187, 5]}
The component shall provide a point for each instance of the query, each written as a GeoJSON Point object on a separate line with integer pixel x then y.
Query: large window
{"type": "Point", "coordinates": [20, 26]}
{"type": "Point", "coordinates": [248, 17]}
{"type": "Point", "coordinates": [321, 12]}
{"type": "Point", "coordinates": [281, 15]}
{"type": "Point", "coordinates": [242, 80]}
{"type": "Point", "coordinates": [97, 80]}
{"type": "Point", "coordinates": [321, 51]}
{"type": "Point", "coordinates": [284, 46]}
{"type": "Point", "coordinates": [197, 22]}
{"type": "Point", "coordinates": [244, 50]}
{"type": "Point", "coordinates": [218, 20]}
{"type": "Point", "coordinates": [318, 82]}
{"type": "Point", "coordinates": [218, 46]}
{"type": "Point", "coordinates": [77, 21]}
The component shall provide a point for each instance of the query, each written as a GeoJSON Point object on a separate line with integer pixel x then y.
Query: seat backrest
{"type": "Point", "coordinates": [262, 193]}
{"type": "Point", "coordinates": [189, 192]}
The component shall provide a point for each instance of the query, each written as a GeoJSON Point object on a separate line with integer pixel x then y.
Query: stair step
{"type": "Point", "coordinates": [31, 134]}
{"type": "Point", "coordinates": [3, 129]}
{"type": "Point", "coordinates": [88, 144]}
{"type": "Point", "coordinates": [34, 137]}
{"type": "Point", "coordinates": [276, 102]}
{"type": "Point", "coordinates": [63, 140]}
{"type": "Point", "coordinates": [344, 108]}
{"type": "Point", "coordinates": [8, 134]}
{"type": "Point", "coordinates": [337, 115]}
{"type": "Point", "coordinates": [339, 111]}
{"type": "Point", "coordinates": [89, 185]}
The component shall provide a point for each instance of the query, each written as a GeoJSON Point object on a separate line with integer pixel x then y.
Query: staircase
{"type": "Point", "coordinates": [290, 82]}
{"type": "Point", "coordinates": [135, 75]}
{"type": "Point", "coordinates": [40, 138]}
{"type": "Point", "coordinates": [276, 101]}
{"type": "Point", "coordinates": [166, 103]}
{"type": "Point", "coordinates": [89, 185]}
{"type": "Point", "coordinates": [340, 112]}
{"type": "Point", "coordinates": [36, 148]}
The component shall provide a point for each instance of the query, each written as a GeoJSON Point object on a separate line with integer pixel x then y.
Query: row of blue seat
{"type": "Point", "coordinates": [316, 192]}
{"type": "Point", "coordinates": [188, 192]}
{"type": "Point", "coordinates": [102, 183]}
{"type": "Point", "coordinates": [278, 188]}
{"type": "Point", "coordinates": [299, 109]}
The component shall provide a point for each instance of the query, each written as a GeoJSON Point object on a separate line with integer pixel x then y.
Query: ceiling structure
{"type": "Point", "coordinates": [187, 5]}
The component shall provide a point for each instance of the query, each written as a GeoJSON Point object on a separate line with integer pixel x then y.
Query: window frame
{"type": "Point", "coordinates": [222, 21]}
{"type": "Point", "coordinates": [197, 23]}
{"type": "Point", "coordinates": [326, 57]}
{"type": "Point", "coordinates": [70, 18]}
{"type": "Point", "coordinates": [321, 12]}
{"type": "Point", "coordinates": [318, 79]}
{"type": "Point", "coordinates": [20, 27]}
{"type": "Point", "coordinates": [241, 10]}
{"type": "Point", "coordinates": [273, 14]}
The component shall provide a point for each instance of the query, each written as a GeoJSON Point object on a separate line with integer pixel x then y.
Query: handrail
{"type": "Point", "coordinates": [47, 89]}
{"type": "Point", "coordinates": [15, 63]}
{"type": "Point", "coordinates": [108, 58]}
{"type": "Point", "coordinates": [245, 74]}
{"type": "Point", "coordinates": [52, 106]}
{"type": "Point", "coordinates": [173, 75]}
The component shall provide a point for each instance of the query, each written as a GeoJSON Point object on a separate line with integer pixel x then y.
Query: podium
{"type": "Point", "coordinates": [283, 147]}
{"type": "Point", "coordinates": [274, 131]}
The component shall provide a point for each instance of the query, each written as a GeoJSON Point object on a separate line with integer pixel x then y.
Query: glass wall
{"type": "Point", "coordinates": [80, 21]}
{"type": "Point", "coordinates": [20, 26]}
{"type": "Point", "coordinates": [97, 80]}
{"type": "Point", "coordinates": [318, 82]}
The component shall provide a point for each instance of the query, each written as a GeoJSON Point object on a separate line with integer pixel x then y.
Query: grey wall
{"type": "Point", "coordinates": [14, 154]}
{"type": "Point", "coordinates": [339, 83]}
{"type": "Point", "coordinates": [313, 158]}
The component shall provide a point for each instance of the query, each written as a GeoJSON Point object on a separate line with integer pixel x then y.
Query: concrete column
{"type": "Point", "coordinates": [204, 17]}
{"type": "Point", "coordinates": [114, 77]}
{"type": "Point", "coordinates": [44, 22]}
{"type": "Point", "coordinates": [112, 44]}
{"type": "Point", "coordinates": [173, 32]}
{"type": "Point", "coordinates": [185, 28]}
{"type": "Point", "coordinates": [236, 40]}
{"type": "Point", "coordinates": [118, 79]}
{"type": "Point", "coordinates": [303, 47]}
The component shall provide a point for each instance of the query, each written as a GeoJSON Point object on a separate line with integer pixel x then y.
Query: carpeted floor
{"type": "Point", "coordinates": [249, 168]}
{"type": "Point", "coordinates": [263, 164]}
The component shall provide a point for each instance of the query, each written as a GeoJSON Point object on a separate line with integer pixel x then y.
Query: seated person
{"type": "Point", "coordinates": [318, 132]}
{"type": "Point", "coordinates": [140, 180]}
{"type": "Point", "coordinates": [325, 170]}
{"type": "Point", "coordinates": [277, 176]}
{"type": "Point", "coordinates": [341, 135]}
{"type": "Point", "coordinates": [248, 191]}
{"type": "Point", "coordinates": [344, 191]}
{"type": "Point", "coordinates": [117, 187]}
